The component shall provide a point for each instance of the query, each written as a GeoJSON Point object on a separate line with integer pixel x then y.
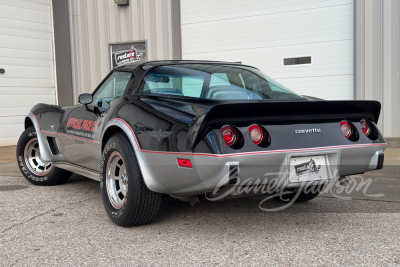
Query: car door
{"type": "Point", "coordinates": [82, 128]}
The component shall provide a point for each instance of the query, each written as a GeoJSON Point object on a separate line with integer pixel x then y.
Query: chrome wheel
{"type": "Point", "coordinates": [34, 161]}
{"type": "Point", "coordinates": [116, 180]}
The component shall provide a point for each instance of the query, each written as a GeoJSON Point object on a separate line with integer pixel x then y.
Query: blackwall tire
{"type": "Point", "coordinates": [126, 198]}
{"type": "Point", "coordinates": [32, 166]}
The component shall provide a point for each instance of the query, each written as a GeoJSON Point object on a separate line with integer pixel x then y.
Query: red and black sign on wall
{"type": "Point", "coordinates": [127, 52]}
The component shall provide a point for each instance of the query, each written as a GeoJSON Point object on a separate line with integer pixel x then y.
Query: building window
{"type": "Point", "coordinates": [293, 61]}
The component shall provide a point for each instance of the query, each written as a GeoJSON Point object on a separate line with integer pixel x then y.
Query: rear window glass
{"type": "Point", "coordinates": [221, 82]}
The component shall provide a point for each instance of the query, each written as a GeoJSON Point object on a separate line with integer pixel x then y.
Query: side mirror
{"type": "Point", "coordinates": [85, 99]}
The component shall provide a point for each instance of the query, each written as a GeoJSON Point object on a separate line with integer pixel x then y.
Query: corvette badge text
{"type": "Point", "coordinates": [304, 131]}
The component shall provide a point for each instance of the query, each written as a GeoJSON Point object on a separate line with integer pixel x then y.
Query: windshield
{"type": "Point", "coordinates": [222, 82]}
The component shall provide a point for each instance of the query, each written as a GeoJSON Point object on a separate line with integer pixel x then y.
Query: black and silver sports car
{"type": "Point", "coordinates": [189, 129]}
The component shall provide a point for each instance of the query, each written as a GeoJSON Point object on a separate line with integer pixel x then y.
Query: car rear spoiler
{"type": "Point", "coordinates": [281, 110]}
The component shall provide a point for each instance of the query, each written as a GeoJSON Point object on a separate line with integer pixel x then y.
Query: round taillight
{"type": "Point", "coordinates": [346, 128]}
{"type": "Point", "coordinates": [229, 135]}
{"type": "Point", "coordinates": [365, 127]}
{"type": "Point", "coordinates": [259, 135]}
{"type": "Point", "coordinates": [256, 134]}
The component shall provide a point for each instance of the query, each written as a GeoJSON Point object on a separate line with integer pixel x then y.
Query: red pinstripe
{"type": "Point", "coordinates": [246, 153]}
{"type": "Point", "coordinates": [72, 136]}
{"type": "Point", "coordinates": [216, 155]}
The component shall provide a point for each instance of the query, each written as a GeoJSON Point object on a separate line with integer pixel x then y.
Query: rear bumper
{"type": "Point", "coordinates": [162, 174]}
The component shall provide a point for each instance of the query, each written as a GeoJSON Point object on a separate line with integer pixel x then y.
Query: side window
{"type": "Point", "coordinates": [112, 88]}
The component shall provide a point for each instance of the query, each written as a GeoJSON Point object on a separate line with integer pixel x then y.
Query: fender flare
{"type": "Point", "coordinates": [144, 169]}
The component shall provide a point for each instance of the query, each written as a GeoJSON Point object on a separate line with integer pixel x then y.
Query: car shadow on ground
{"type": "Point", "coordinates": [251, 206]}
{"type": "Point", "coordinates": [350, 201]}
{"type": "Point", "coordinates": [328, 202]}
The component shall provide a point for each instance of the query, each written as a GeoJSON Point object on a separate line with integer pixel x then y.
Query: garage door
{"type": "Point", "coordinates": [27, 59]}
{"type": "Point", "coordinates": [306, 45]}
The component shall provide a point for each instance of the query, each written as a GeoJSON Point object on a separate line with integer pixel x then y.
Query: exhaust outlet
{"type": "Point", "coordinates": [344, 181]}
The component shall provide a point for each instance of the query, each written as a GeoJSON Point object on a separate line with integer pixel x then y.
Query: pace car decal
{"type": "Point", "coordinates": [141, 128]}
{"type": "Point", "coordinates": [159, 134]}
{"type": "Point", "coordinates": [80, 127]}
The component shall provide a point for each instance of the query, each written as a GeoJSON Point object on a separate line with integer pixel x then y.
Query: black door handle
{"type": "Point", "coordinates": [2, 71]}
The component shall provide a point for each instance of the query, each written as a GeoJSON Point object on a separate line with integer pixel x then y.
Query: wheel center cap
{"type": "Point", "coordinates": [40, 158]}
{"type": "Point", "coordinates": [124, 179]}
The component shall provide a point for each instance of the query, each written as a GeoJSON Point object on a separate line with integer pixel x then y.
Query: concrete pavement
{"type": "Point", "coordinates": [67, 225]}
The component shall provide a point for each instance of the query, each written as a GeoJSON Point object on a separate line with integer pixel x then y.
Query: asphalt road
{"type": "Point", "coordinates": [67, 225]}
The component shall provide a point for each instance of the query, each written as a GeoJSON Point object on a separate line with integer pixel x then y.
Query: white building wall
{"type": "Point", "coordinates": [26, 54]}
{"type": "Point", "coordinates": [262, 32]}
